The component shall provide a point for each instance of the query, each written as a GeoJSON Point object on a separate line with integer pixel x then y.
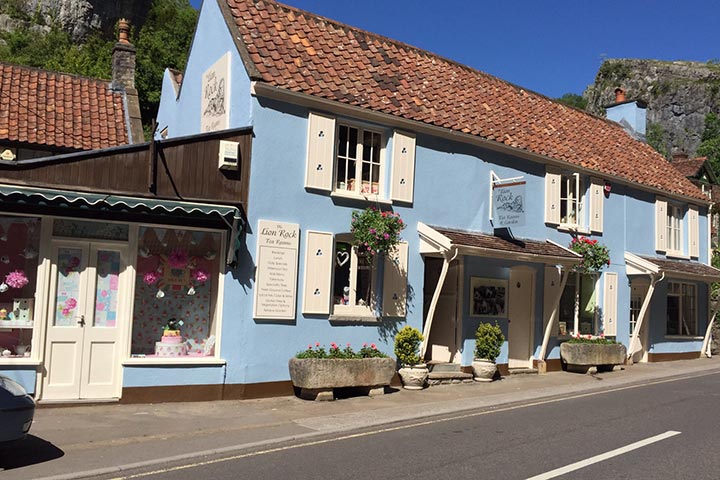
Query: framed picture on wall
{"type": "Point", "coordinates": [488, 297]}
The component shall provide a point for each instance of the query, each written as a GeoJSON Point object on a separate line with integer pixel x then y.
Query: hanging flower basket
{"type": "Point", "coordinates": [595, 255]}
{"type": "Point", "coordinates": [375, 231]}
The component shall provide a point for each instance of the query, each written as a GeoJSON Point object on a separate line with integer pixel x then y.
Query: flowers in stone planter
{"type": "Point", "coordinates": [319, 351]}
{"type": "Point", "coordinates": [375, 231]}
{"type": "Point", "coordinates": [595, 255]}
{"type": "Point", "coordinates": [597, 340]}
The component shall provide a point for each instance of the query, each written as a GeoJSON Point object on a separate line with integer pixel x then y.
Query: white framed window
{"type": "Point", "coordinates": [571, 200]}
{"type": "Point", "coordinates": [635, 305]}
{"type": "Point", "coordinates": [681, 309]}
{"type": "Point", "coordinates": [349, 159]}
{"type": "Point", "coordinates": [578, 306]}
{"type": "Point", "coordinates": [674, 228]}
{"type": "Point", "coordinates": [358, 161]}
{"type": "Point", "coordinates": [353, 290]}
{"type": "Point", "coordinates": [345, 285]}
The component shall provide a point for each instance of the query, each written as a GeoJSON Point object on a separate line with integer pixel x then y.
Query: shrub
{"type": "Point", "coordinates": [407, 345]}
{"type": "Point", "coordinates": [488, 341]}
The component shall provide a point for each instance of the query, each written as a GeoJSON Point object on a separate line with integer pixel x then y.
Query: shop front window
{"type": "Point", "coordinates": [19, 246]}
{"type": "Point", "coordinates": [176, 289]}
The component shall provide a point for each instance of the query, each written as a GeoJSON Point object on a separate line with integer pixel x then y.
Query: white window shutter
{"type": "Point", "coordinates": [318, 273]}
{"type": "Point", "coordinates": [395, 282]}
{"type": "Point", "coordinates": [403, 167]}
{"type": "Point", "coordinates": [694, 231]}
{"type": "Point", "coordinates": [552, 197]}
{"type": "Point", "coordinates": [610, 304]}
{"type": "Point", "coordinates": [321, 151]}
{"type": "Point", "coordinates": [596, 205]}
{"type": "Point", "coordinates": [660, 224]}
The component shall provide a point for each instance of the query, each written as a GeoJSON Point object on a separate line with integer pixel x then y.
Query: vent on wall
{"type": "Point", "coordinates": [229, 156]}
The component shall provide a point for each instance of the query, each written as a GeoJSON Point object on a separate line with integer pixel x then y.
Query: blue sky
{"type": "Point", "coordinates": [552, 47]}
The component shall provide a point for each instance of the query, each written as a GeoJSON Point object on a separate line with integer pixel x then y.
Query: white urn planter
{"type": "Point", "coordinates": [414, 377]}
{"type": "Point", "coordinates": [484, 370]}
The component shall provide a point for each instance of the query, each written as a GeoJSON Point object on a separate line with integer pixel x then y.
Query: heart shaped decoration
{"type": "Point", "coordinates": [342, 258]}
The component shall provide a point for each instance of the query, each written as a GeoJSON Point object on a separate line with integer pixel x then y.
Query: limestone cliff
{"type": "Point", "coordinates": [679, 95]}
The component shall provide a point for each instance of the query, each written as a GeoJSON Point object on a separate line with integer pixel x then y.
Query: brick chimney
{"type": "Point", "coordinates": [123, 58]}
{"type": "Point", "coordinates": [619, 95]}
{"type": "Point", "coordinates": [123, 79]}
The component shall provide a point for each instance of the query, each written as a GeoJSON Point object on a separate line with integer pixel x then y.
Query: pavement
{"type": "Point", "coordinates": [109, 439]}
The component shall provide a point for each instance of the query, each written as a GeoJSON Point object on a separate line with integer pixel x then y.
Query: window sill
{"type": "Point", "coordinates": [18, 361]}
{"type": "Point", "coordinates": [173, 361]}
{"type": "Point", "coordinates": [678, 255]}
{"type": "Point", "coordinates": [351, 318]}
{"type": "Point", "coordinates": [683, 337]}
{"type": "Point", "coordinates": [360, 197]}
{"type": "Point", "coordinates": [570, 227]}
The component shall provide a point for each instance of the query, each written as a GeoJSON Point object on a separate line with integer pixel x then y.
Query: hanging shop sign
{"type": "Point", "coordinates": [276, 274]}
{"type": "Point", "coordinates": [508, 202]}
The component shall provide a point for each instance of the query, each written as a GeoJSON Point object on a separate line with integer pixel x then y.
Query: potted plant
{"type": "Point", "coordinates": [488, 341]}
{"type": "Point", "coordinates": [375, 232]}
{"type": "Point", "coordinates": [413, 371]}
{"type": "Point", "coordinates": [595, 256]}
{"type": "Point", "coordinates": [581, 353]}
{"type": "Point", "coordinates": [316, 372]}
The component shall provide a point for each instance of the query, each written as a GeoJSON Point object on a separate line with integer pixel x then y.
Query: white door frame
{"type": "Point", "coordinates": [119, 334]}
{"type": "Point", "coordinates": [522, 363]}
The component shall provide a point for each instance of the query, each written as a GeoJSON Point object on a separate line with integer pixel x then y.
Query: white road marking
{"type": "Point", "coordinates": [603, 456]}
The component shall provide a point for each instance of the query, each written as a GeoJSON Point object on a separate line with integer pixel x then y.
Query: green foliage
{"type": "Point", "coordinates": [407, 345]}
{"type": "Point", "coordinates": [710, 145]}
{"type": "Point", "coordinates": [595, 255]}
{"type": "Point", "coordinates": [573, 100]}
{"type": "Point", "coordinates": [601, 340]}
{"type": "Point", "coordinates": [375, 231]}
{"type": "Point", "coordinates": [614, 71]}
{"type": "Point", "coordinates": [163, 42]}
{"type": "Point", "coordinates": [335, 351]}
{"type": "Point", "coordinates": [488, 341]}
{"type": "Point", "coordinates": [655, 137]}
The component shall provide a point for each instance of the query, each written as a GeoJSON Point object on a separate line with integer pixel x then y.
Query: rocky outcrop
{"type": "Point", "coordinates": [80, 17]}
{"type": "Point", "coordinates": [678, 95]}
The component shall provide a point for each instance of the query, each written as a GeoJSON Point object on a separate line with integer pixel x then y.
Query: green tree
{"type": "Point", "coordinates": [710, 145]}
{"type": "Point", "coordinates": [655, 137]}
{"type": "Point", "coordinates": [163, 42]}
{"type": "Point", "coordinates": [574, 100]}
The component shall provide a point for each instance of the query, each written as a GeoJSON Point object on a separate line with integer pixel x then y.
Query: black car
{"type": "Point", "coordinates": [17, 409]}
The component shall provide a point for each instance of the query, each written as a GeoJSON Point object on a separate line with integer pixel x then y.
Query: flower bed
{"type": "Point", "coordinates": [580, 356]}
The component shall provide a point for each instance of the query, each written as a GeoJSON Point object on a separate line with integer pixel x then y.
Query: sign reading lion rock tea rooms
{"type": "Point", "coordinates": [508, 204]}
{"type": "Point", "coordinates": [276, 274]}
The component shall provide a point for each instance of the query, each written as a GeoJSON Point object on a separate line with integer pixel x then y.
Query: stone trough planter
{"type": "Point", "coordinates": [317, 377]}
{"type": "Point", "coordinates": [579, 357]}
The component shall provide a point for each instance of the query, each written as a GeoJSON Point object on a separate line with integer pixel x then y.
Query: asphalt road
{"type": "Point", "coordinates": [629, 433]}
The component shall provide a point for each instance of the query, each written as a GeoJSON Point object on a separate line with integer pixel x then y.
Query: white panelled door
{"type": "Point", "coordinates": [520, 317]}
{"type": "Point", "coordinates": [84, 321]}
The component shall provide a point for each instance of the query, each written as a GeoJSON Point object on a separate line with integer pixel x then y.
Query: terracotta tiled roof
{"type": "Point", "coordinates": [59, 110]}
{"type": "Point", "coordinates": [303, 52]}
{"type": "Point", "coordinates": [515, 246]}
{"type": "Point", "coordinates": [685, 268]}
{"type": "Point", "coordinates": [689, 167]}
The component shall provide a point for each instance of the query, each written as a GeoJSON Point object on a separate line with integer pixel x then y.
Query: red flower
{"type": "Point", "coordinates": [372, 345]}
{"type": "Point", "coordinates": [317, 344]}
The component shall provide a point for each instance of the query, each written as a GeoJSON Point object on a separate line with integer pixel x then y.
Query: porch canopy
{"type": "Point", "coordinates": [450, 243]}
{"type": "Point", "coordinates": [680, 269]}
{"type": "Point", "coordinates": [440, 240]}
{"type": "Point", "coordinates": [103, 203]}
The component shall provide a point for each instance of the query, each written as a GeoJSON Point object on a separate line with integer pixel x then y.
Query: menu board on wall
{"type": "Point", "coordinates": [215, 99]}
{"type": "Point", "coordinates": [276, 273]}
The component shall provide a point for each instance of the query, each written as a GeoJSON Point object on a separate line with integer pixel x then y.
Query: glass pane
{"type": "Point", "coordinates": [364, 282]}
{"type": "Point", "coordinates": [353, 143]}
{"type": "Point", "coordinates": [673, 315]}
{"type": "Point", "coordinates": [341, 283]}
{"type": "Point", "coordinates": [587, 305]}
{"type": "Point", "coordinates": [367, 146]}
{"type": "Point", "coordinates": [342, 141]}
{"type": "Point", "coordinates": [106, 290]}
{"type": "Point", "coordinates": [67, 296]}
{"type": "Point", "coordinates": [96, 230]}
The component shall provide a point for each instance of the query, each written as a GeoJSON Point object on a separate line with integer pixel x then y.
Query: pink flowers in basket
{"type": "Point", "coordinates": [16, 279]}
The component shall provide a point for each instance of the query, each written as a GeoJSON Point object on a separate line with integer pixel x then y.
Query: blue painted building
{"type": "Point", "coordinates": [492, 181]}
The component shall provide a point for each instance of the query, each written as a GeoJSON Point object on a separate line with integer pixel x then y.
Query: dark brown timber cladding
{"type": "Point", "coordinates": [187, 169]}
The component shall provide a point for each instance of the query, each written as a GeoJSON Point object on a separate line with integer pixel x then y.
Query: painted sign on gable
{"type": "Point", "coordinates": [508, 200]}
{"type": "Point", "coordinates": [215, 98]}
